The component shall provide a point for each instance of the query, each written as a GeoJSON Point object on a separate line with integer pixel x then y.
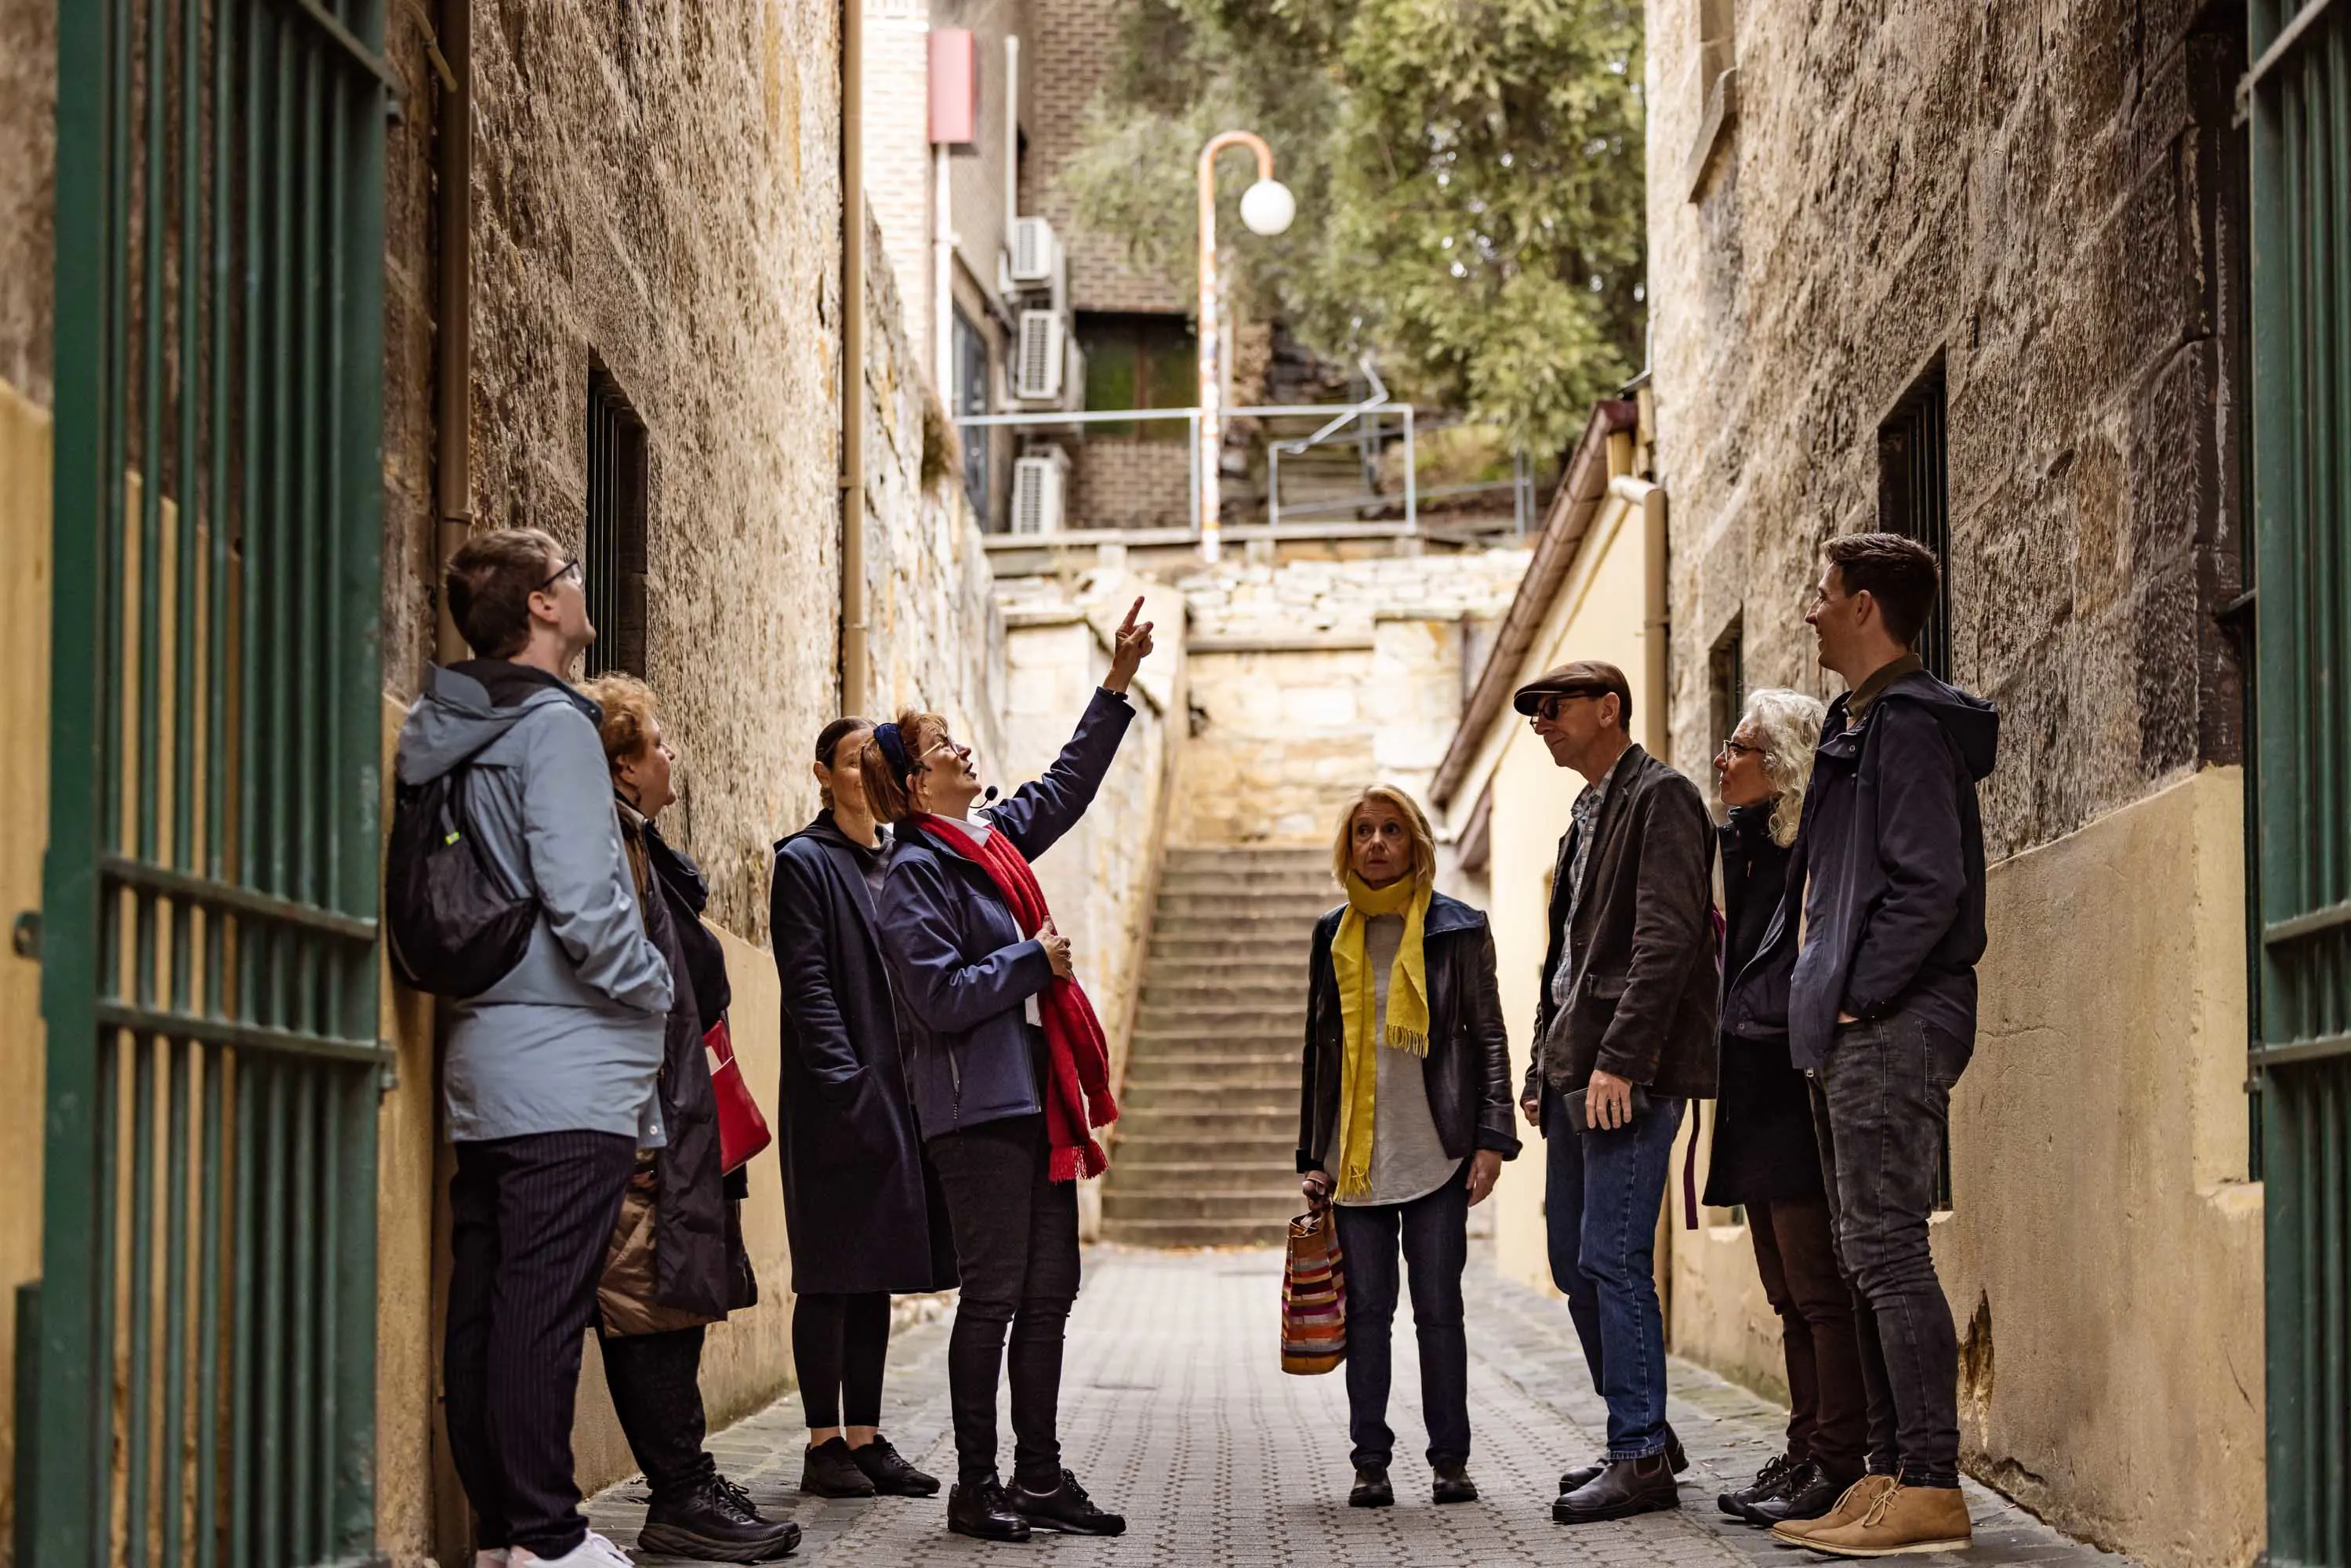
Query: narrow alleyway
{"type": "Point", "coordinates": [1173, 1409]}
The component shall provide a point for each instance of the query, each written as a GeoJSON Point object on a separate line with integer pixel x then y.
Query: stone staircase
{"type": "Point", "coordinates": [1206, 1153]}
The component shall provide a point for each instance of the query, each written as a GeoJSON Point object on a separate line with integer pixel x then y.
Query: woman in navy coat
{"type": "Point", "coordinates": [970, 983]}
{"type": "Point", "coordinates": [861, 1203]}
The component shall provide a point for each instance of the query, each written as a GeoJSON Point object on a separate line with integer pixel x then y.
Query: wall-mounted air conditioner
{"type": "Point", "coordinates": [1038, 357]}
{"type": "Point", "coordinates": [1037, 482]}
{"type": "Point", "coordinates": [1035, 252]}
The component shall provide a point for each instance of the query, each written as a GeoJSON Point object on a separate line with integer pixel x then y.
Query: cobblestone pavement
{"type": "Point", "coordinates": [1174, 1411]}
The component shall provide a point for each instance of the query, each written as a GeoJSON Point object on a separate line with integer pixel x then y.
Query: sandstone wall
{"type": "Point", "coordinates": [1310, 680]}
{"type": "Point", "coordinates": [29, 131]}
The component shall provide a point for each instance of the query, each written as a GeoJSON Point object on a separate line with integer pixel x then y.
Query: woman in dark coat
{"type": "Point", "coordinates": [1765, 1156]}
{"type": "Point", "coordinates": [1405, 1119]}
{"type": "Point", "coordinates": [1006, 1061]}
{"type": "Point", "coordinates": [861, 1203]}
{"type": "Point", "coordinates": [676, 1262]}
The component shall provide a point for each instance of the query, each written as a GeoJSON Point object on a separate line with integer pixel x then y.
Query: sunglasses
{"type": "Point", "coordinates": [1547, 706]}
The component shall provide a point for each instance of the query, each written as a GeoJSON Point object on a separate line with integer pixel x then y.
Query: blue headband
{"type": "Point", "coordinates": [894, 748]}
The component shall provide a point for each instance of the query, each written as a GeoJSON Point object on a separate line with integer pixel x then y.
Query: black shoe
{"type": "Point", "coordinates": [716, 1523]}
{"type": "Point", "coordinates": [1453, 1482]}
{"type": "Point", "coordinates": [829, 1469]}
{"type": "Point", "coordinates": [983, 1513]}
{"type": "Point", "coordinates": [1584, 1475]}
{"type": "Point", "coordinates": [1066, 1508]}
{"type": "Point", "coordinates": [1768, 1482]}
{"type": "Point", "coordinates": [1806, 1492]}
{"type": "Point", "coordinates": [1371, 1488]}
{"type": "Point", "coordinates": [1626, 1487]}
{"type": "Point", "coordinates": [891, 1474]}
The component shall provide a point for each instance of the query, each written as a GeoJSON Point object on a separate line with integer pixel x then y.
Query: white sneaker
{"type": "Point", "coordinates": [596, 1552]}
{"type": "Point", "coordinates": [493, 1557]}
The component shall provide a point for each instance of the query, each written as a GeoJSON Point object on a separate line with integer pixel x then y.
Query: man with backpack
{"type": "Point", "coordinates": [550, 1068]}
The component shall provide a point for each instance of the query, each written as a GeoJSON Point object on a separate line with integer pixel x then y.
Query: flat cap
{"type": "Point", "coordinates": [1581, 677]}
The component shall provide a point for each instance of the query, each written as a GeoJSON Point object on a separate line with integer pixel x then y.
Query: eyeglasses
{"type": "Point", "coordinates": [1738, 748]}
{"type": "Point", "coordinates": [568, 568]}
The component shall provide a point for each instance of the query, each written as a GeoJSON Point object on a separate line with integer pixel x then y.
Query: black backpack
{"type": "Point", "coordinates": [454, 929]}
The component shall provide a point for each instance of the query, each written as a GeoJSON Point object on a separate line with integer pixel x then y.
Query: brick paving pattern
{"type": "Point", "coordinates": [1175, 1412]}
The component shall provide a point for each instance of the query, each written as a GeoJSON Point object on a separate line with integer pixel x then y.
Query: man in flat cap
{"type": "Point", "coordinates": [1624, 1036]}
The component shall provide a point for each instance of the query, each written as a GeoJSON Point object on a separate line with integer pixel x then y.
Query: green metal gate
{"type": "Point", "coordinates": [2299, 97]}
{"type": "Point", "coordinates": [198, 1379]}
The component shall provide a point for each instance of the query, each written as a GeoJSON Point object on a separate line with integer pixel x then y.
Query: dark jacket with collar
{"type": "Point", "coordinates": [1892, 849]}
{"type": "Point", "coordinates": [861, 1209]}
{"type": "Point", "coordinates": [1467, 1074]}
{"type": "Point", "coordinates": [1764, 1144]}
{"type": "Point", "coordinates": [963, 967]}
{"type": "Point", "coordinates": [1645, 1001]}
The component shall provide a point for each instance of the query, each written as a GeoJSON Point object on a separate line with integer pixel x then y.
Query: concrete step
{"type": "Point", "coordinates": [1210, 1063]}
{"type": "Point", "coordinates": [1216, 904]}
{"type": "Point", "coordinates": [1129, 1173]}
{"type": "Point", "coordinates": [1146, 1147]}
{"type": "Point", "coordinates": [1212, 1015]}
{"type": "Point", "coordinates": [1266, 1122]}
{"type": "Point", "coordinates": [1214, 1094]}
{"type": "Point", "coordinates": [1174, 963]}
{"type": "Point", "coordinates": [1266, 1205]}
{"type": "Point", "coordinates": [1302, 884]}
{"type": "Point", "coordinates": [1251, 857]}
{"type": "Point", "coordinates": [1196, 1232]}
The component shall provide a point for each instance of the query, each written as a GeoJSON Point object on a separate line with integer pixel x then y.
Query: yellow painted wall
{"type": "Point", "coordinates": [2104, 1252]}
{"type": "Point", "coordinates": [1597, 616]}
{"type": "Point", "coordinates": [24, 588]}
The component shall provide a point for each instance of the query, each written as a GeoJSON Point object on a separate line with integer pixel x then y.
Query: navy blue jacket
{"type": "Point", "coordinates": [962, 968]}
{"type": "Point", "coordinates": [1888, 874]}
{"type": "Point", "coordinates": [861, 1209]}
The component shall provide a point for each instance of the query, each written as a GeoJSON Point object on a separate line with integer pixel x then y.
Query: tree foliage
{"type": "Point", "coordinates": [1468, 176]}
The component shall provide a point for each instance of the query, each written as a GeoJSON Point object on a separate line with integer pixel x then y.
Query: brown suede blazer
{"type": "Point", "coordinates": [1649, 988]}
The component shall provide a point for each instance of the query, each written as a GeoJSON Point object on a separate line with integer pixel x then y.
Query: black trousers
{"type": "Point", "coordinates": [530, 1217]}
{"type": "Point", "coordinates": [1433, 1231]}
{"type": "Point", "coordinates": [840, 1346]}
{"type": "Point", "coordinates": [1881, 1104]}
{"type": "Point", "coordinates": [656, 1385]}
{"type": "Point", "coordinates": [1795, 1254]}
{"type": "Point", "coordinates": [1016, 1237]}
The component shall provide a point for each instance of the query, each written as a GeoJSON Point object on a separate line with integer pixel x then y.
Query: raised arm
{"type": "Point", "coordinates": [1041, 811]}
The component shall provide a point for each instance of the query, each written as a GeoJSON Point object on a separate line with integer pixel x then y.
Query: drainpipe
{"type": "Point", "coordinates": [854, 682]}
{"type": "Point", "coordinates": [943, 281]}
{"type": "Point", "coordinates": [452, 411]}
{"type": "Point", "coordinates": [1011, 137]}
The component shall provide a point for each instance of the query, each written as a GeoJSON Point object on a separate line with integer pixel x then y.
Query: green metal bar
{"type": "Point", "coordinates": [327, 1293]}
{"type": "Point", "coordinates": [208, 1312]}
{"type": "Point", "coordinates": [311, 521]}
{"type": "Point", "coordinates": [357, 52]}
{"type": "Point", "coordinates": [226, 177]}
{"type": "Point", "coordinates": [270, 1544]}
{"type": "Point", "coordinates": [102, 1370]}
{"type": "Point", "coordinates": [273, 651]}
{"type": "Point", "coordinates": [246, 1357]}
{"type": "Point", "coordinates": [153, 474]}
{"type": "Point", "coordinates": [353, 1366]}
{"type": "Point", "coordinates": [260, 1038]}
{"type": "Point", "coordinates": [137, 1397]}
{"type": "Point", "coordinates": [56, 1512]}
{"type": "Point", "coordinates": [118, 871]}
{"type": "Point", "coordinates": [254, 512]}
{"type": "Point", "coordinates": [305, 1301]}
{"type": "Point", "coordinates": [192, 466]}
{"type": "Point", "coordinates": [175, 1300]}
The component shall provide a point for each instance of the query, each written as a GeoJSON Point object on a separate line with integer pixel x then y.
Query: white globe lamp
{"type": "Point", "coordinates": [1268, 207]}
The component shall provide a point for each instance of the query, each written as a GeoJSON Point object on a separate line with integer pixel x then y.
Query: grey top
{"type": "Point", "coordinates": [1585, 813]}
{"type": "Point", "coordinates": [1408, 1159]}
{"type": "Point", "coordinates": [570, 1039]}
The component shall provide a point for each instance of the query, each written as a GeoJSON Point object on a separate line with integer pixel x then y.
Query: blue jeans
{"type": "Point", "coordinates": [1434, 1233]}
{"type": "Point", "coordinates": [1602, 1212]}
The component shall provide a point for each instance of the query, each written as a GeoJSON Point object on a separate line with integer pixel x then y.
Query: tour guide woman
{"type": "Point", "coordinates": [1009, 1077]}
{"type": "Point", "coordinates": [861, 1206]}
{"type": "Point", "coordinates": [1406, 1096]}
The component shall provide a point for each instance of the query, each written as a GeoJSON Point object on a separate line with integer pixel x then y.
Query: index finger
{"type": "Point", "coordinates": [1133, 611]}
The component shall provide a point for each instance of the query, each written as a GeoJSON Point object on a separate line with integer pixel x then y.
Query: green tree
{"type": "Point", "coordinates": [1468, 176]}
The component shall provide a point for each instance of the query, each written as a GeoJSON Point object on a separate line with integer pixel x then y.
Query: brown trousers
{"type": "Point", "coordinates": [1828, 1419]}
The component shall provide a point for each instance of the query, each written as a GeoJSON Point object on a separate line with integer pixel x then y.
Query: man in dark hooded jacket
{"type": "Point", "coordinates": [1886, 898]}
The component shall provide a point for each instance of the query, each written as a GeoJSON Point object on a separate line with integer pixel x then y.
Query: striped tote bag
{"type": "Point", "coordinates": [1313, 1295]}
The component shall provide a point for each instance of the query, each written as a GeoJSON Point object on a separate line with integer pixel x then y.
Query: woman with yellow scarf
{"type": "Point", "coordinates": [1405, 1120]}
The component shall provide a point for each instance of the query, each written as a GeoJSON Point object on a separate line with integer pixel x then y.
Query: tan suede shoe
{"type": "Point", "coordinates": [1903, 1521]}
{"type": "Point", "coordinates": [1857, 1500]}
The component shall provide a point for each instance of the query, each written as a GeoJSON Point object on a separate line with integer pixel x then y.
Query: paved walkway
{"type": "Point", "coordinates": [1174, 1411]}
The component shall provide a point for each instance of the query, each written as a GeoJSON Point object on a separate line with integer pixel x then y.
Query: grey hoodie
{"type": "Point", "coordinates": [571, 1039]}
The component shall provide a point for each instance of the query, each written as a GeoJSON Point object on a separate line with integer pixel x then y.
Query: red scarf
{"type": "Point", "coordinates": [1078, 1099]}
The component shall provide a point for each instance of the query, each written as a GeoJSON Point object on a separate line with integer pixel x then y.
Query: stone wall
{"type": "Point", "coordinates": [1310, 680]}
{"type": "Point", "coordinates": [28, 132]}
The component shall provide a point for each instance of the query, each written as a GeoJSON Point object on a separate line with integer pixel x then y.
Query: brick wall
{"type": "Point", "coordinates": [1124, 484]}
{"type": "Point", "coordinates": [1076, 43]}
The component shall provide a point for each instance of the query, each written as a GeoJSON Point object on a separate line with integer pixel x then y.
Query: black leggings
{"type": "Point", "coordinates": [839, 1344]}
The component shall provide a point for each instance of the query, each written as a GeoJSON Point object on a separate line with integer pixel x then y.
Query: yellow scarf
{"type": "Point", "coordinates": [1407, 1012]}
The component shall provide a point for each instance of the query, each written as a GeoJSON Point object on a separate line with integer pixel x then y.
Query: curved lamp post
{"type": "Point", "coordinates": [1267, 208]}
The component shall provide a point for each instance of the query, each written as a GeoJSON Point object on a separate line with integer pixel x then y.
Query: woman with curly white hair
{"type": "Point", "coordinates": [1765, 1156]}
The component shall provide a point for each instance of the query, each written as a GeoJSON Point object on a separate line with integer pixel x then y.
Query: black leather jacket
{"type": "Point", "coordinates": [1468, 1071]}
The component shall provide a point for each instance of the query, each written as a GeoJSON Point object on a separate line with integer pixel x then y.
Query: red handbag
{"type": "Point", "coordinates": [742, 1129]}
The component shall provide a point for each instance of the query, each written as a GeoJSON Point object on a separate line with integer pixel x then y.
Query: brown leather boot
{"type": "Point", "coordinates": [1858, 1499]}
{"type": "Point", "coordinates": [1903, 1521]}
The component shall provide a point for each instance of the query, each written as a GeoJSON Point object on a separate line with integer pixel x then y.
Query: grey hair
{"type": "Point", "coordinates": [1790, 725]}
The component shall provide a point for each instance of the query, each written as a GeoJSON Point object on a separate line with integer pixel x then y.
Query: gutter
{"type": "Point", "coordinates": [1573, 507]}
{"type": "Point", "coordinates": [854, 655]}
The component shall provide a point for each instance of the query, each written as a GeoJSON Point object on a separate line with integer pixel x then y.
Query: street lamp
{"type": "Point", "coordinates": [1267, 208]}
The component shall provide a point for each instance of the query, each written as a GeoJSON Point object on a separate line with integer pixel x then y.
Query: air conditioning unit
{"type": "Point", "coordinates": [1038, 481]}
{"type": "Point", "coordinates": [1038, 356]}
{"type": "Point", "coordinates": [1035, 252]}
